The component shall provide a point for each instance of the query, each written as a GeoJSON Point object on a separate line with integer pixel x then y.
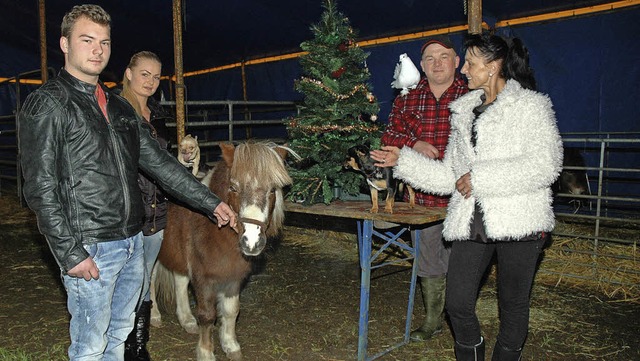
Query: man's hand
{"type": "Point", "coordinates": [86, 269]}
{"type": "Point", "coordinates": [426, 149]}
{"type": "Point", "coordinates": [225, 215]}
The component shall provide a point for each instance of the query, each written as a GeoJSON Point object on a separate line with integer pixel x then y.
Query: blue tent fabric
{"type": "Point", "coordinates": [588, 65]}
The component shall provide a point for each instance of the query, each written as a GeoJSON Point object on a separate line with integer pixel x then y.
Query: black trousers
{"type": "Point", "coordinates": [517, 262]}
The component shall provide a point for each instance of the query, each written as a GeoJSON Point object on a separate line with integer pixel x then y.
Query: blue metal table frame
{"type": "Point", "coordinates": [366, 235]}
{"type": "Point", "coordinates": [405, 217]}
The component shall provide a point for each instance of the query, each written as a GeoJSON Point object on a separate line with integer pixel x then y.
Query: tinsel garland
{"type": "Point", "coordinates": [330, 91]}
{"type": "Point", "coordinates": [368, 128]}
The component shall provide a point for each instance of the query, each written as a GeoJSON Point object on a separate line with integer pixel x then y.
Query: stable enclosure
{"type": "Point", "coordinates": [241, 60]}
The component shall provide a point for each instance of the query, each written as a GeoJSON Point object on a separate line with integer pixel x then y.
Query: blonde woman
{"type": "Point", "coordinates": [140, 82]}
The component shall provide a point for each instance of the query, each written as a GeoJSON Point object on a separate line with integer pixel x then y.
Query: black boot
{"type": "Point", "coordinates": [469, 353]}
{"type": "Point", "coordinates": [135, 348]}
{"type": "Point", "coordinates": [501, 353]}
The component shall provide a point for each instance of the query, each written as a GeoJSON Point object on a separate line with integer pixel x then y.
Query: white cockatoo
{"type": "Point", "coordinates": [406, 76]}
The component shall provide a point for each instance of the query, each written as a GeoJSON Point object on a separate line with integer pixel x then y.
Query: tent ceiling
{"type": "Point", "coordinates": [223, 32]}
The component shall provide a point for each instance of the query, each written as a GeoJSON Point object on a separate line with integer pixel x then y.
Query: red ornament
{"type": "Point", "coordinates": [338, 73]}
{"type": "Point", "coordinates": [345, 46]}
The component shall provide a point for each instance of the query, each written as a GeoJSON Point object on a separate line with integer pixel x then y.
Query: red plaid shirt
{"type": "Point", "coordinates": [420, 116]}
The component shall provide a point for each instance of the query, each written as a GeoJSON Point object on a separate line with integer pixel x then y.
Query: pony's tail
{"type": "Point", "coordinates": [165, 289]}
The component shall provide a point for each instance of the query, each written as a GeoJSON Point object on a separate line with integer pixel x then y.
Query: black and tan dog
{"type": "Point", "coordinates": [378, 178]}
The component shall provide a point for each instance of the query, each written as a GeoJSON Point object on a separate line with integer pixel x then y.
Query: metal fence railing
{"type": "Point", "coordinates": [609, 213]}
{"type": "Point", "coordinates": [612, 166]}
{"type": "Point", "coordinates": [602, 234]}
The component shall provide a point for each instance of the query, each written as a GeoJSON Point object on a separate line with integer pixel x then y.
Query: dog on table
{"type": "Point", "coordinates": [189, 153]}
{"type": "Point", "coordinates": [378, 178]}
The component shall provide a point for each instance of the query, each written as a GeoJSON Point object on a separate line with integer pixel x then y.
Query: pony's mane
{"type": "Point", "coordinates": [259, 160]}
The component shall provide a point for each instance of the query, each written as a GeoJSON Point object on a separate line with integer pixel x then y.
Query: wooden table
{"type": "Point", "coordinates": [407, 219]}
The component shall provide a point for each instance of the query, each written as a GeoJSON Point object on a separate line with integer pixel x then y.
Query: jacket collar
{"type": "Point", "coordinates": [466, 103]}
{"type": "Point", "coordinates": [79, 85]}
{"type": "Point", "coordinates": [462, 108]}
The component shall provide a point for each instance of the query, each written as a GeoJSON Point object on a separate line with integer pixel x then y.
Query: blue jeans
{"type": "Point", "coordinates": [517, 264]}
{"type": "Point", "coordinates": [152, 246]}
{"type": "Point", "coordinates": [102, 310]}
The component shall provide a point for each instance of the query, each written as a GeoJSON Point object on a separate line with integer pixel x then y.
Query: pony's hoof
{"type": "Point", "coordinates": [235, 355]}
{"type": "Point", "coordinates": [156, 321]}
{"type": "Point", "coordinates": [191, 328]}
{"type": "Point", "coordinates": [204, 355]}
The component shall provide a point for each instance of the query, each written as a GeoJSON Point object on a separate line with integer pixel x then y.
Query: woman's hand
{"type": "Point", "coordinates": [387, 156]}
{"type": "Point", "coordinates": [463, 185]}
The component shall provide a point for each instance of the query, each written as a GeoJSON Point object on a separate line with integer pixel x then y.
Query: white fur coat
{"type": "Point", "coordinates": [518, 156]}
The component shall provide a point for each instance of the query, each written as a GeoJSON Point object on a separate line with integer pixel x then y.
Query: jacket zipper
{"type": "Point", "coordinates": [119, 164]}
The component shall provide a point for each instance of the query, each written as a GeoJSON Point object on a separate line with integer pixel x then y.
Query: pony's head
{"type": "Point", "coordinates": [257, 175]}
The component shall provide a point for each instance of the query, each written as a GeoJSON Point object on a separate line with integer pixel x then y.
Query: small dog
{"type": "Point", "coordinates": [378, 178]}
{"type": "Point", "coordinates": [189, 153]}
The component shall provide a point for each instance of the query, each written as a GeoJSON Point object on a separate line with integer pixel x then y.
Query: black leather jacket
{"type": "Point", "coordinates": [81, 171]}
{"type": "Point", "coordinates": [154, 200]}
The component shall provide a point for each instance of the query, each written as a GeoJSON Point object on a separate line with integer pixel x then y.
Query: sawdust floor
{"type": "Point", "coordinates": [303, 305]}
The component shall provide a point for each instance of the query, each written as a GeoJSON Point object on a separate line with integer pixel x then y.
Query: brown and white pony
{"type": "Point", "coordinates": [216, 261]}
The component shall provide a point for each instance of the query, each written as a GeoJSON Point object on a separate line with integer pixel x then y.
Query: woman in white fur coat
{"type": "Point", "coordinates": [503, 154]}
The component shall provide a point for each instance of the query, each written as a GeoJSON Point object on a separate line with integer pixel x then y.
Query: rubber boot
{"type": "Point", "coordinates": [135, 347]}
{"type": "Point", "coordinates": [469, 353]}
{"type": "Point", "coordinates": [433, 289]}
{"type": "Point", "coordinates": [501, 353]}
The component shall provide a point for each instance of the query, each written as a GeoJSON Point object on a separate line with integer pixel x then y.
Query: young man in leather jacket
{"type": "Point", "coordinates": [80, 151]}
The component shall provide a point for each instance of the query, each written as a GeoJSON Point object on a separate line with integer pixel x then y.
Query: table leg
{"type": "Point", "coordinates": [412, 288]}
{"type": "Point", "coordinates": [365, 229]}
{"type": "Point", "coordinates": [365, 240]}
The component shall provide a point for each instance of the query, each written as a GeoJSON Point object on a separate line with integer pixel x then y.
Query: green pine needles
{"type": "Point", "coordinates": [339, 111]}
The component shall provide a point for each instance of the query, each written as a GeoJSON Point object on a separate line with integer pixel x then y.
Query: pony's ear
{"type": "Point", "coordinates": [228, 150]}
{"type": "Point", "coordinates": [282, 152]}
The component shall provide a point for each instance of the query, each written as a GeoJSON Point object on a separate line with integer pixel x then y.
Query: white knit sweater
{"type": "Point", "coordinates": [518, 156]}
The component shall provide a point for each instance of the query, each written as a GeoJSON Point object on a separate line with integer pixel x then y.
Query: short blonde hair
{"type": "Point", "coordinates": [92, 12]}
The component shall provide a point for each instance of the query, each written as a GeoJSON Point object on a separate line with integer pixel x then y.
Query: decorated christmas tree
{"type": "Point", "coordinates": [339, 111]}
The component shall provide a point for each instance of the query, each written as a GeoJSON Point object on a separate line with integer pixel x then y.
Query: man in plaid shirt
{"type": "Point", "coordinates": [420, 120]}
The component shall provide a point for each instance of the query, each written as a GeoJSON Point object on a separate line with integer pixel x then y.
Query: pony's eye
{"type": "Point", "coordinates": [273, 191]}
{"type": "Point", "coordinates": [233, 189]}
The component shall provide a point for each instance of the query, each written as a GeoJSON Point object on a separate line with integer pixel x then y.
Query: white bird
{"type": "Point", "coordinates": [406, 76]}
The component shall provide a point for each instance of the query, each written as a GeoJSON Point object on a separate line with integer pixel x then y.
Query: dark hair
{"type": "Point", "coordinates": [92, 12]}
{"type": "Point", "coordinates": [512, 52]}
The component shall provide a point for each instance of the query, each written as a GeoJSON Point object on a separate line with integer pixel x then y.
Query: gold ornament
{"type": "Point", "coordinates": [370, 97]}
